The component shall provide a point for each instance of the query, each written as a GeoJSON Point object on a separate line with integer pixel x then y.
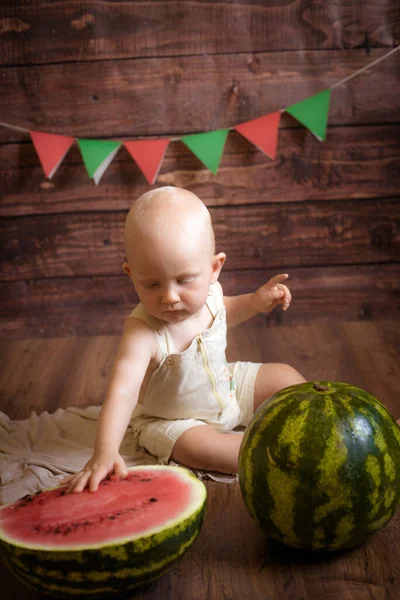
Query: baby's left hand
{"type": "Point", "coordinates": [272, 293]}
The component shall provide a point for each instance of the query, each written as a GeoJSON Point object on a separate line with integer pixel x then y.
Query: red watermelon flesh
{"type": "Point", "coordinates": [143, 501]}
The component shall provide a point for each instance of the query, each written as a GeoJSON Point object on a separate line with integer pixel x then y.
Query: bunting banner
{"type": "Point", "coordinates": [262, 132]}
{"type": "Point", "coordinates": [148, 155]}
{"type": "Point", "coordinates": [97, 155]}
{"type": "Point", "coordinates": [208, 147]}
{"type": "Point", "coordinates": [51, 150]}
{"type": "Point", "coordinates": [313, 113]}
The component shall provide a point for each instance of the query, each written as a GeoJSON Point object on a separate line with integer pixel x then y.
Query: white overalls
{"type": "Point", "coordinates": [193, 387]}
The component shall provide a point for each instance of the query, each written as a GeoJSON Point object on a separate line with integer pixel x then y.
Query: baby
{"type": "Point", "coordinates": [170, 378]}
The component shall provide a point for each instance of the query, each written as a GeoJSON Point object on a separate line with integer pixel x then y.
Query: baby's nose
{"type": "Point", "coordinates": [170, 295]}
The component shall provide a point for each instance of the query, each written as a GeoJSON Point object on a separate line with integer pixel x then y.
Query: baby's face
{"type": "Point", "coordinates": [169, 243]}
{"type": "Point", "coordinates": [172, 278]}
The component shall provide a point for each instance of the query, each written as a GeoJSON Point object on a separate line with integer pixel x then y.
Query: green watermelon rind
{"type": "Point", "coordinates": [266, 457]}
{"type": "Point", "coordinates": [104, 571]}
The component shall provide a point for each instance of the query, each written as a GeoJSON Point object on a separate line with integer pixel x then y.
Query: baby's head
{"type": "Point", "coordinates": [170, 249]}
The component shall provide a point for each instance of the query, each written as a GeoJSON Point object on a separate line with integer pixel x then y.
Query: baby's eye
{"type": "Point", "coordinates": [150, 285]}
{"type": "Point", "coordinates": [185, 280]}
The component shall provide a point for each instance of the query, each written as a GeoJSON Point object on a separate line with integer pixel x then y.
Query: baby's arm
{"type": "Point", "coordinates": [137, 348]}
{"type": "Point", "coordinates": [265, 299]}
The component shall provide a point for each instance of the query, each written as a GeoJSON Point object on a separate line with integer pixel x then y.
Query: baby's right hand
{"type": "Point", "coordinates": [95, 470]}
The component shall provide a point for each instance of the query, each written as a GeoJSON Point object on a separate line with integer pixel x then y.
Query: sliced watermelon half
{"type": "Point", "coordinates": [105, 543]}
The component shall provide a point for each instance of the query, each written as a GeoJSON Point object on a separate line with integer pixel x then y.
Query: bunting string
{"type": "Point", "coordinates": [365, 68]}
{"type": "Point", "coordinates": [208, 147]}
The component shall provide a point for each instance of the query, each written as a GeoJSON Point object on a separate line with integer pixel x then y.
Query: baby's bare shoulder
{"type": "Point", "coordinates": [138, 338]}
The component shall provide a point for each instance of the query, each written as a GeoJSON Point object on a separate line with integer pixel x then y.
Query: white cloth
{"type": "Point", "coordinates": [36, 453]}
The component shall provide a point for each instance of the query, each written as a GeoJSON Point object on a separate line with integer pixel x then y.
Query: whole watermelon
{"type": "Point", "coordinates": [319, 466]}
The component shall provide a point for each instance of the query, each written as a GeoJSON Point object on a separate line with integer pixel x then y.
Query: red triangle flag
{"type": "Point", "coordinates": [148, 154]}
{"type": "Point", "coordinates": [51, 150]}
{"type": "Point", "coordinates": [262, 132]}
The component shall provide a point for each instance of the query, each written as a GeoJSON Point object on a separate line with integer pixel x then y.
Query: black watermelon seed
{"type": "Point", "coordinates": [153, 499]}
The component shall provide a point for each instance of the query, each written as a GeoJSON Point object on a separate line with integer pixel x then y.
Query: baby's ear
{"type": "Point", "coordinates": [217, 264]}
{"type": "Point", "coordinates": [126, 268]}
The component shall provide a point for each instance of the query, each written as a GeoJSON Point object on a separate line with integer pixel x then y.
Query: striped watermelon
{"type": "Point", "coordinates": [319, 466]}
{"type": "Point", "coordinates": [106, 543]}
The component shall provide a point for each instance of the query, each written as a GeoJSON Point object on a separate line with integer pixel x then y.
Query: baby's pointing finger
{"type": "Point", "coordinates": [278, 278]}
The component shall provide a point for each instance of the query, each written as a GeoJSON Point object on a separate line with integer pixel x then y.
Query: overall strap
{"type": "Point", "coordinates": [215, 300]}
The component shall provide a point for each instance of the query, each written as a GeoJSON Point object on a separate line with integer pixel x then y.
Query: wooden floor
{"type": "Point", "coordinates": [232, 558]}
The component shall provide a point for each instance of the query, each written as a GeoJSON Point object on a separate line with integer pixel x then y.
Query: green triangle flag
{"type": "Point", "coordinates": [208, 147]}
{"type": "Point", "coordinates": [97, 155]}
{"type": "Point", "coordinates": [313, 113]}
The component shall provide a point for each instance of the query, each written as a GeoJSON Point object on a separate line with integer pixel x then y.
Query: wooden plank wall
{"type": "Point", "coordinates": [327, 213]}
